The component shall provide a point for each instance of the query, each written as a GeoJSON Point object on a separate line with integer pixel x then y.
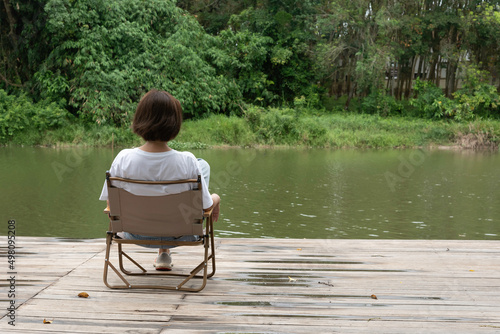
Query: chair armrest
{"type": "Point", "coordinates": [208, 213]}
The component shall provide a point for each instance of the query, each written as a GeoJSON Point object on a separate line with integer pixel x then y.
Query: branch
{"type": "Point", "coordinates": [10, 83]}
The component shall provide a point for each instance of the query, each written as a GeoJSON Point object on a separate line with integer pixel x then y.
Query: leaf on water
{"type": "Point", "coordinates": [83, 295]}
{"type": "Point", "coordinates": [47, 321]}
{"type": "Point", "coordinates": [374, 297]}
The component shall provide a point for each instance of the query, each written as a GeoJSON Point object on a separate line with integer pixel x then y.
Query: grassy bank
{"type": "Point", "coordinates": [347, 130]}
{"type": "Point", "coordinates": [284, 127]}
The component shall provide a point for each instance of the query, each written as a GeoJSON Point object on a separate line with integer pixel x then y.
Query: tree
{"type": "Point", "coordinates": [351, 56]}
{"type": "Point", "coordinates": [22, 42]}
{"type": "Point", "coordinates": [481, 25]}
{"type": "Point", "coordinates": [107, 54]}
{"type": "Point", "coordinates": [282, 70]}
{"type": "Point", "coordinates": [214, 15]}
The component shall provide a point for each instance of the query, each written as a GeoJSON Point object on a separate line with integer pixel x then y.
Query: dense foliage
{"type": "Point", "coordinates": [20, 114]}
{"type": "Point", "coordinates": [96, 58]}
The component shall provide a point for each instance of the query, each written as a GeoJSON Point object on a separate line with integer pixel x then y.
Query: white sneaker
{"type": "Point", "coordinates": [163, 262]}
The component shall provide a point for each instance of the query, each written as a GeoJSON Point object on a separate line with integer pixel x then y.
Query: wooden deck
{"type": "Point", "coordinates": [266, 286]}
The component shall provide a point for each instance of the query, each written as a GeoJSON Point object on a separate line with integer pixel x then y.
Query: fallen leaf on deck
{"type": "Point", "coordinates": [299, 248]}
{"type": "Point", "coordinates": [47, 321]}
{"type": "Point", "coordinates": [291, 279]}
{"type": "Point", "coordinates": [374, 297]}
{"type": "Point", "coordinates": [83, 295]}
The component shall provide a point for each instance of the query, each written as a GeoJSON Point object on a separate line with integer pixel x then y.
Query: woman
{"type": "Point", "coordinates": [158, 120]}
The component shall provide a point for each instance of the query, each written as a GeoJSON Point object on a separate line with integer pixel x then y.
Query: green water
{"type": "Point", "coordinates": [291, 193]}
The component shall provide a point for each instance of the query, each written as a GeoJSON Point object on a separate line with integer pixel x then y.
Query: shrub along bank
{"type": "Point", "coordinates": [338, 130]}
{"type": "Point", "coordinates": [258, 127]}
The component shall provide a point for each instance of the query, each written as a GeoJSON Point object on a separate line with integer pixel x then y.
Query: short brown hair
{"type": "Point", "coordinates": [158, 116]}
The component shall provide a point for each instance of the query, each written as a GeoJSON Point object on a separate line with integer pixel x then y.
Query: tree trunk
{"type": "Point", "coordinates": [421, 61]}
{"type": "Point", "coordinates": [438, 73]}
{"type": "Point", "coordinates": [450, 78]}
{"type": "Point", "coordinates": [12, 24]}
{"type": "Point", "coordinates": [348, 90]}
{"type": "Point", "coordinates": [388, 84]}
{"type": "Point", "coordinates": [410, 77]}
{"type": "Point", "coordinates": [350, 96]}
{"type": "Point", "coordinates": [432, 70]}
{"type": "Point", "coordinates": [447, 79]}
{"type": "Point", "coordinates": [399, 81]}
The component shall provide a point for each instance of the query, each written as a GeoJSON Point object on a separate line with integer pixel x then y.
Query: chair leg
{"type": "Point", "coordinates": [203, 265]}
{"type": "Point", "coordinates": [121, 253]}
{"type": "Point", "coordinates": [212, 245]}
{"type": "Point", "coordinates": [106, 260]}
{"type": "Point", "coordinates": [107, 264]}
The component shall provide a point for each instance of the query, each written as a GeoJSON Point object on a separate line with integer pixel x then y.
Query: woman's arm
{"type": "Point", "coordinates": [106, 211]}
{"type": "Point", "coordinates": [215, 207]}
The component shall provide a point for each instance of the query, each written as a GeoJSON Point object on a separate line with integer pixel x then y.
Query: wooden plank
{"type": "Point", "coordinates": [269, 285]}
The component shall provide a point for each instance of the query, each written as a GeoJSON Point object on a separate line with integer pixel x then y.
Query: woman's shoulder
{"type": "Point", "coordinates": [186, 154]}
{"type": "Point", "coordinates": [186, 158]}
{"type": "Point", "coordinates": [127, 152]}
{"type": "Point", "coordinates": [126, 155]}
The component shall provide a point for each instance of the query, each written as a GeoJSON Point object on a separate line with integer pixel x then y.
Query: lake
{"type": "Point", "coordinates": [275, 193]}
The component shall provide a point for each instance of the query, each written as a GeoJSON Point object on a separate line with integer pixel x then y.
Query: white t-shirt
{"type": "Point", "coordinates": [137, 164]}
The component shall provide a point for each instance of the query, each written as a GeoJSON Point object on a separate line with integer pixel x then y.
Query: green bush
{"type": "Point", "coordinates": [271, 126]}
{"type": "Point", "coordinates": [229, 130]}
{"type": "Point", "coordinates": [381, 104]}
{"type": "Point", "coordinates": [312, 131]}
{"type": "Point", "coordinates": [285, 126]}
{"type": "Point", "coordinates": [429, 100]}
{"type": "Point", "coordinates": [19, 114]}
{"type": "Point", "coordinates": [477, 96]}
{"type": "Point", "coordinates": [217, 130]}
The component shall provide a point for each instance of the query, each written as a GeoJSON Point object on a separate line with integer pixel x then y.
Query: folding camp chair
{"type": "Point", "coordinates": [171, 215]}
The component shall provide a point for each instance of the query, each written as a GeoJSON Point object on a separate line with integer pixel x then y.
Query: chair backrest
{"type": "Point", "coordinates": [167, 215]}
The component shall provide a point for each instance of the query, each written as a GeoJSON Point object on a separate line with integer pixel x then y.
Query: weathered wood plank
{"type": "Point", "coordinates": [268, 285]}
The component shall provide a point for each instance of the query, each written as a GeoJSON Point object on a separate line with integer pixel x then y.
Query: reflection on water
{"type": "Point", "coordinates": [292, 193]}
